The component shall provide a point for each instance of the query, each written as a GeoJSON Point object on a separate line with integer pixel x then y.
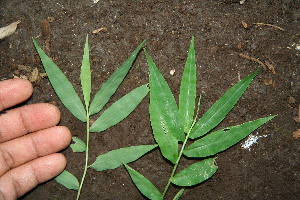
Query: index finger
{"type": "Point", "coordinates": [13, 92]}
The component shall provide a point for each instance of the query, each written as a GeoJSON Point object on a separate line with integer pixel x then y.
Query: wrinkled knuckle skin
{"type": "Point", "coordinates": [6, 160]}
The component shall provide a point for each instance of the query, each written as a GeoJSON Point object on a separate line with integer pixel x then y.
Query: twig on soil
{"type": "Point", "coordinates": [271, 25]}
{"type": "Point", "coordinates": [254, 60]}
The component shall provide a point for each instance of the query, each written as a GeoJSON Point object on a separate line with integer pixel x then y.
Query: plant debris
{"type": "Point", "coordinates": [8, 30]}
{"type": "Point", "coordinates": [253, 59]}
{"type": "Point", "coordinates": [296, 134]}
{"type": "Point", "coordinates": [99, 30]}
{"type": "Point", "coordinates": [271, 25]}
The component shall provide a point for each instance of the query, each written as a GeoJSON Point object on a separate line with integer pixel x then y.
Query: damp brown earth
{"type": "Point", "coordinates": [231, 40]}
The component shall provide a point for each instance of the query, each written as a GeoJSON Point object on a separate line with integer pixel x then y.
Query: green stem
{"type": "Point", "coordinates": [86, 154]}
{"type": "Point", "coordinates": [175, 167]}
{"type": "Point", "coordinates": [180, 153]}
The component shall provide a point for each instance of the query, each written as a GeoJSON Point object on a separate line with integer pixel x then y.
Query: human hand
{"type": "Point", "coordinates": [29, 139]}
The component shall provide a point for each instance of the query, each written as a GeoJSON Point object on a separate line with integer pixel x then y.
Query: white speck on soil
{"type": "Point", "coordinates": [252, 139]}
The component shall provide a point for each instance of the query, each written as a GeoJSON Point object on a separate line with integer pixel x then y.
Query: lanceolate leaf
{"type": "Point", "coordinates": [78, 146]}
{"type": "Point", "coordinates": [68, 180]}
{"type": "Point", "coordinates": [187, 95]}
{"type": "Point", "coordinates": [111, 85]}
{"type": "Point", "coordinates": [221, 108]}
{"type": "Point", "coordinates": [218, 141]}
{"type": "Point", "coordinates": [195, 173]}
{"type": "Point", "coordinates": [168, 144]}
{"type": "Point", "coordinates": [120, 109]}
{"type": "Point", "coordinates": [62, 86]}
{"type": "Point", "coordinates": [144, 185]}
{"type": "Point", "coordinates": [161, 95]}
{"type": "Point", "coordinates": [85, 75]}
{"type": "Point", "coordinates": [118, 157]}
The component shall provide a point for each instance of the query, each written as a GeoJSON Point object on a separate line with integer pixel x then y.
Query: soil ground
{"type": "Point", "coordinates": [269, 170]}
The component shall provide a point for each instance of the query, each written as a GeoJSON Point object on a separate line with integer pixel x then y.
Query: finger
{"type": "Point", "coordinates": [29, 147]}
{"type": "Point", "coordinates": [26, 119]}
{"type": "Point", "coordinates": [14, 91]}
{"type": "Point", "coordinates": [18, 181]}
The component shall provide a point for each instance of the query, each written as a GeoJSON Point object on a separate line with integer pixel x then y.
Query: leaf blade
{"type": "Point", "coordinates": [144, 185]}
{"type": "Point", "coordinates": [111, 85]}
{"type": "Point", "coordinates": [78, 146]}
{"type": "Point", "coordinates": [62, 86]}
{"type": "Point", "coordinates": [118, 157]}
{"type": "Point", "coordinates": [161, 95]}
{"type": "Point", "coordinates": [221, 108]}
{"type": "Point", "coordinates": [187, 94]}
{"type": "Point", "coordinates": [85, 75]}
{"type": "Point", "coordinates": [120, 109]}
{"type": "Point", "coordinates": [195, 173]}
{"type": "Point", "coordinates": [220, 140]}
{"type": "Point", "coordinates": [68, 180]}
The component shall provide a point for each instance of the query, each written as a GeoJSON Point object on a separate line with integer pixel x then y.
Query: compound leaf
{"type": "Point", "coordinates": [68, 180]}
{"type": "Point", "coordinates": [78, 146]}
{"type": "Point", "coordinates": [118, 157]}
{"type": "Point", "coordinates": [112, 84]}
{"type": "Point", "coordinates": [221, 108]}
{"type": "Point", "coordinates": [144, 185]}
{"type": "Point", "coordinates": [62, 86]}
{"type": "Point", "coordinates": [218, 141]}
{"type": "Point", "coordinates": [120, 109]}
{"type": "Point", "coordinates": [85, 75]}
{"type": "Point", "coordinates": [195, 173]}
{"type": "Point", "coordinates": [187, 95]}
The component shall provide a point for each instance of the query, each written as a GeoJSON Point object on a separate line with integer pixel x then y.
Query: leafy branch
{"type": "Point", "coordinates": [110, 117]}
{"type": "Point", "coordinates": [173, 125]}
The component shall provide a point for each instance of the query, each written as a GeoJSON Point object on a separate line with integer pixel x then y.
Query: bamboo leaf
{"type": "Point", "coordinates": [179, 194]}
{"type": "Point", "coordinates": [78, 146]}
{"type": "Point", "coordinates": [195, 173]}
{"type": "Point", "coordinates": [68, 180]}
{"type": "Point", "coordinates": [111, 85]}
{"type": "Point", "coordinates": [144, 185]}
{"type": "Point", "coordinates": [187, 95]}
{"type": "Point", "coordinates": [221, 108]}
{"type": "Point", "coordinates": [120, 109]}
{"type": "Point", "coordinates": [62, 86]}
{"type": "Point", "coordinates": [85, 75]}
{"type": "Point", "coordinates": [168, 144]}
{"type": "Point", "coordinates": [118, 157]}
{"type": "Point", "coordinates": [218, 141]}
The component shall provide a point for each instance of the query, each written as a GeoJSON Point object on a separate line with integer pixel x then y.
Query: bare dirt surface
{"type": "Point", "coordinates": [270, 170]}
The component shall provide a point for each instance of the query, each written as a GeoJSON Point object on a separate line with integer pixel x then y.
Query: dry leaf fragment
{"type": "Point", "coordinates": [296, 134]}
{"type": "Point", "coordinates": [102, 29]}
{"type": "Point", "coordinates": [34, 75]}
{"type": "Point", "coordinates": [245, 25]}
{"type": "Point", "coordinates": [8, 30]}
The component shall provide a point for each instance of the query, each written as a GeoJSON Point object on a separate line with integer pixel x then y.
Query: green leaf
{"type": "Point", "coordinates": [179, 194]}
{"type": "Point", "coordinates": [118, 157]}
{"type": "Point", "coordinates": [111, 85]}
{"type": "Point", "coordinates": [218, 141]}
{"type": "Point", "coordinates": [144, 185]}
{"type": "Point", "coordinates": [120, 109]}
{"type": "Point", "coordinates": [68, 180]}
{"type": "Point", "coordinates": [162, 97]}
{"type": "Point", "coordinates": [62, 86]}
{"type": "Point", "coordinates": [187, 95]}
{"type": "Point", "coordinates": [85, 75]}
{"type": "Point", "coordinates": [221, 108]}
{"type": "Point", "coordinates": [79, 145]}
{"type": "Point", "coordinates": [195, 173]}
